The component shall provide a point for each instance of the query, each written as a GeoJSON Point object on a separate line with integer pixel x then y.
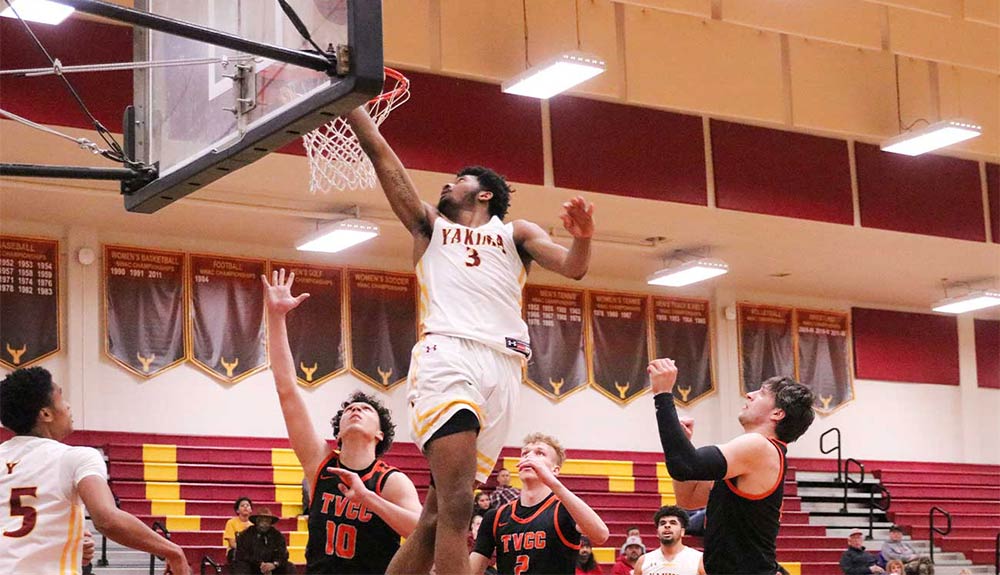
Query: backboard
{"type": "Point", "coordinates": [198, 122]}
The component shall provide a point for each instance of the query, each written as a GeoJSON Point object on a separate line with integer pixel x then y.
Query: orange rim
{"type": "Point", "coordinates": [402, 84]}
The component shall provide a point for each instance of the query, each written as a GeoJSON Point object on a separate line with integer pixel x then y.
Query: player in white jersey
{"type": "Point", "coordinates": [672, 557]}
{"type": "Point", "coordinates": [45, 484]}
{"type": "Point", "coordinates": [465, 373]}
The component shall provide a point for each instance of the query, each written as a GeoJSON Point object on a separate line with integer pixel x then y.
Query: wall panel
{"type": "Point", "coordinates": [853, 22]}
{"type": "Point", "coordinates": [940, 39]}
{"type": "Point", "coordinates": [988, 353]}
{"type": "Point", "coordinates": [993, 193]}
{"type": "Point", "coordinates": [975, 95]}
{"type": "Point", "coordinates": [702, 65]}
{"type": "Point", "coordinates": [906, 347]}
{"type": "Point", "coordinates": [983, 11]}
{"type": "Point", "coordinates": [406, 33]}
{"type": "Point", "coordinates": [483, 39]}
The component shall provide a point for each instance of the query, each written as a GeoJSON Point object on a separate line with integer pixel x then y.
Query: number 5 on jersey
{"type": "Point", "coordinates": [28, 514]}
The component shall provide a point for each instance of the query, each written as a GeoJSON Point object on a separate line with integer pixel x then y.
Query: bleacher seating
{"type": "Point", "coordinates": [189, 483]}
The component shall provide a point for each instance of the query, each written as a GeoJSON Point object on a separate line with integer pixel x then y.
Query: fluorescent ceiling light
{"type": "Point", "coordinates": [969, 302]}
{"type": "Point", "coordinates": [554, 75]}
{"type": "Point", "coordinates": [42, 11]}
{"type": "Point", "coordinates": [338, 236]}
{"type": "Point", "coordinates": [932, 137]}
{"type": "Point", "coordinates": [689, 272]}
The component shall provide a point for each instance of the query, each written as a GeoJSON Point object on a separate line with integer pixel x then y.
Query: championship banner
{"type": "Point", "coordinates": [144, 309]}
{"type": "Point", "coordinates": [29, 300]}
{"type": "Point", "coordinates": [383, 324]}
{"type": "Point", "coordinates": [316, 327]}
{"type": "Point", "coordinates": [619, 350]}
{"type": "Point", "coordinates": [227, 316]}
{"type": "Point", "coordinates": [681, 331]}
{"type": "Point", "coordinates": [558, 364]}
{"type": "Point", "coordinates": [766, 346]}
{"type": "Point", "coordinates": [824, 357]}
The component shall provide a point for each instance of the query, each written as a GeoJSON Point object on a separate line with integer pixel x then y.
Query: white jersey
{"type": "Point", "coordinates": [470, 285]}
{"type": "Point", "coordinates": [684, 563]}
{"type": "Point", "coordinates": [41, 514]}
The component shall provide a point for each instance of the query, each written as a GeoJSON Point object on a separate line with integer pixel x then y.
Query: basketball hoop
{"type": "Point", "coordinates": [336, 160]}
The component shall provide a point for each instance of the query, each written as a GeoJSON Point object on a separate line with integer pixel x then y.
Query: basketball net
{"type": "Point", "coordinates": [336, 160]}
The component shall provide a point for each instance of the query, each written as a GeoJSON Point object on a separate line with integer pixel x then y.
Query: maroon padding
{"type": "Point", "coordinates": [910, 347]}
{"type": "Point", "coordinates": [781, 173]}
{"type": "Point", "coordinates": [76, 41]}
{"type": "Point", "coordinates": [993, 193]}
{"type": "Point", "coordinates": [449, 123]}
{"type": "Point", "coordinates": [931, 195]}
{"type": "Point", "coordinates": [628, 151]}
{"type": "Point", "coordinates": [988, 353]}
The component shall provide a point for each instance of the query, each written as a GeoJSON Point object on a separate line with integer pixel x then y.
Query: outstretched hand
{"type": "Point", "coordinates": [278, 292]}
{"type": "Point", "coordinates": [578, 218]}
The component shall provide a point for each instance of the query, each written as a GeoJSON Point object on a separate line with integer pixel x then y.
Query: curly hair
{"type": "Point", "coordinates": [491, 182]}
{"type": "Point", "coordinates": [384, 419]}
{"type": "Point", "coordinates": [23, 393]}
{"type": "Point", "coordinates": [672, 511]}
{"type": "Point", "coordinates": [796, 400]}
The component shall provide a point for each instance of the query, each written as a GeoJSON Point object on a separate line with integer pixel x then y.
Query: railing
{"type": "Point", "coordinates": [207, 561]}
{"type": "Point", "coordinates": [157, 526]}
{"type": "Point", "coordinates": [848, 480]}
{"type": "Point", "coordinates": [833, 448]}
{"type": "Point", "coordinates": [885, 500]}
{"type": "Point", "coordinates": [103, 561]}
{"type": "Point", "coordinates": [934, 529]}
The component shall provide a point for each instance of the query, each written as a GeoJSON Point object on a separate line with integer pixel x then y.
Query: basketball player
{"type": "Point", "coordinates": [744, 503]}
{"type": "Point", "coordinates": [45, 484]}
{"type": "Point", "coordinates": [672, 557]}
{"type": "Point", "coordinates": [465, 372]}
{"type": "Point", "coordinates": [360, 506]}
{"type": "Point", "coordinates": [539, 532]}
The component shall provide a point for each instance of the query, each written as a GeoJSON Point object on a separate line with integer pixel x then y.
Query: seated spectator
{"type": "Point", "coordinates": [894, 567]}
{"type": "Point", "coordinates": [896, 548]}
{"type": "Point", "coordinates": [481, 504]}
{"type": "Point", "coordinates": [855, 560]}
{"type": "Point", "coordinates": [261, 550]}
{"type": "Point", "coordinates": [477, 521]}
{"type": "Point", "coordinates": [236, 525]}
{"type": "Point", "coordinates": [504, 493]}
{"type": "Point", "coordinates": [586, 564]}
{"type": "Point", "coordinates": [631, 551]}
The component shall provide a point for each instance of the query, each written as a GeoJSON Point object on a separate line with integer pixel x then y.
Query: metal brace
{"type": "Point", "coordinates": [245, 89]}
{"type": "Point", "coordinates": [343, 59]}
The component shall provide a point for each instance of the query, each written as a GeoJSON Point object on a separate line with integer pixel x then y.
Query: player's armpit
{"type": "Point", "coordinates": [746, 453]}
{"type": "Point", "coordinates": [400, 506]}
{"type": "Point", "coordinates": [536, 242]}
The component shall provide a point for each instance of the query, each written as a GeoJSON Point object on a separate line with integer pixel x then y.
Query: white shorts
{"type": "Point", "coordinates": [449, 374]}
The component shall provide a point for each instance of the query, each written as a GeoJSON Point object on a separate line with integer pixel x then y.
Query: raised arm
{"type": "Point", "coordinates": [416, 215]}
{"type": "Point", "coordinates": [398, 505]}
{"type": "Point", "coordinates": [126, 529]}
{"type": "Point", "coordinates": [587, 520]}
{"type": "Point", "coordinates": [578, 219]}
{"type": "Point", "coordinates": [309, 447]}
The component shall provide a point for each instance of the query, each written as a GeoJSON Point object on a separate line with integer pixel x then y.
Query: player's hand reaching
{"type": "Point", "coordinates": [540, 469]}
{"type": "Point", "coordinates": [578, 218]}
{"type": "Point", "coordinates": [351, 485]}
{"type": "Point", "coordinates": [278, 292]}
{"type": "Point", "coordinates": [662, 375]}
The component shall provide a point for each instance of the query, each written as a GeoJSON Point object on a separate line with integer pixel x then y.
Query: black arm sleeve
{"type": "Point", "coordinates": [684, 462]}
{"type": "Point", "coordinates": [485, 544]}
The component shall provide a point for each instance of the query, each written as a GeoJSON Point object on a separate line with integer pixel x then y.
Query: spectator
{"type": "Point", "coordinates": [631, 551]}
{"type": "Point", "coordinates": [894, 567]}
{"type": "Point", "coordinates": [855, 560]}
{"type": "Point", "coordinates": [896, 548]}
{"type": "Point", "coordinates": [481, 504]}
{"type": "Point", "coordinates": [586, 564]}
{"type": "Point", "coordinates": [261, 550]}
{"type": "Point", "coordinates": [236, 525]}
{"type": "Point", "coordinates": [477, 521]}
{"type": "Point", "coordinates": [504, 493]}
{"type": "Point", "coordinates": [633, 531]}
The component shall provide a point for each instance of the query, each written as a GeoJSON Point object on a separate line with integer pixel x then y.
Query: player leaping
{"type": "Point", "coordinates": [465, 371]}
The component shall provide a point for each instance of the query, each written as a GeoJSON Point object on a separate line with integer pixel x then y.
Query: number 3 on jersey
{"type": "Point", "coordinates": [28, 514]}
{"type": "Point", "coordinates": [340, 540]}
{"type": "Point", "coordinates": [472, 257]}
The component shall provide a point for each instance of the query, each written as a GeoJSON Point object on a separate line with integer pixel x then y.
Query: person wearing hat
{"type": "Point", "coordinates": [855, 560]}
{"type": "Point", "coordinates": [631, 551]}
{"type": "Point", "coordinates": [896, 548]}
{"type": "Point", "coordinates": [261, 549]}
